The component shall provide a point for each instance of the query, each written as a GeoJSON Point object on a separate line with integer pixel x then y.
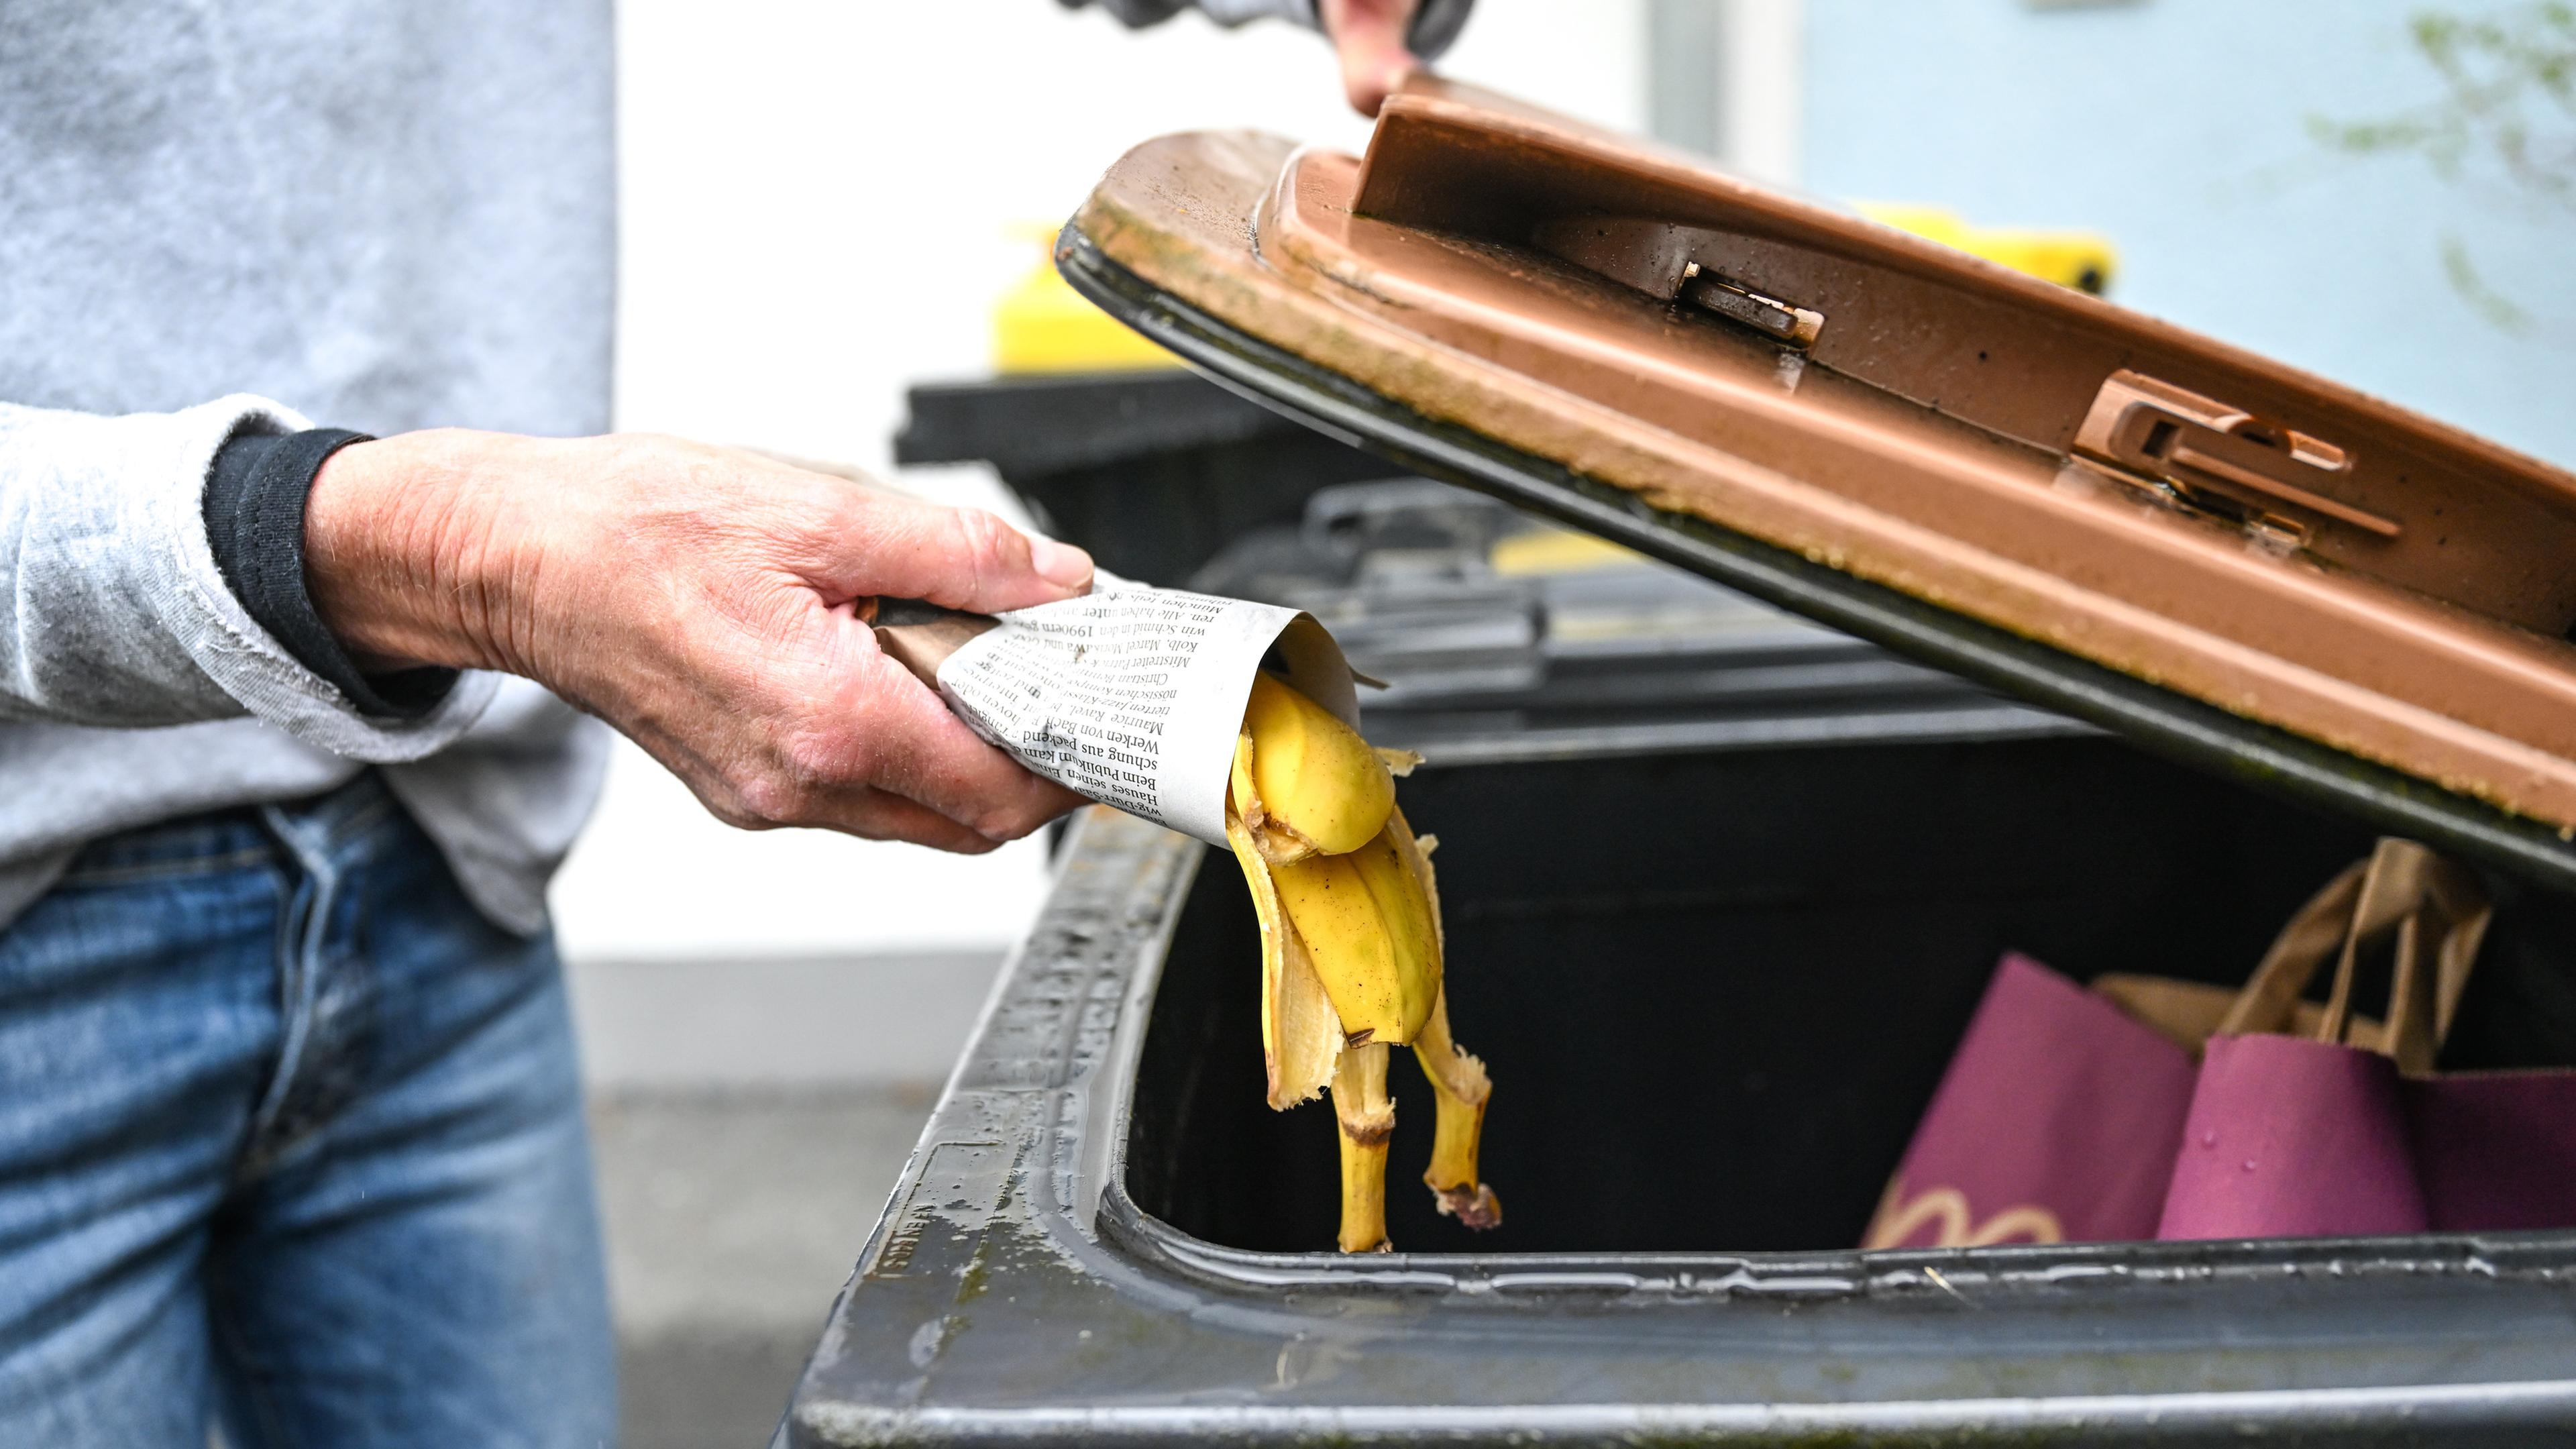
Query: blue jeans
{"type": "Point", "coordinates": [291, 1138]}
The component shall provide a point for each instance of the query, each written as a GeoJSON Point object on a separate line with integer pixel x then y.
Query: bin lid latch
{"type": "Point", "coordinates": [2221, 460]}
{"type": "Point", "coordinates": [1656, 257]}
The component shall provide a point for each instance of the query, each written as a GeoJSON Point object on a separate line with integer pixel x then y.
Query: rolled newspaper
{"type": "Point", "coordinates": [1130, 695]}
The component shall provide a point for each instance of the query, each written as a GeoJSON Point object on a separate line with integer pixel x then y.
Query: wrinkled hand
{"type": "Point", "coordinates": [700, 600]}
{"type": "Point", "coordinates": [1369, 36]}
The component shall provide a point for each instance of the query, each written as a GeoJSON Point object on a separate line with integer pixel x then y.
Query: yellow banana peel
{"type": "Point", "coordinates": [1366, 1117]}
{"type": "Point", "coordinates": [1351, 950]}
{"type": "Point", "coordinates": [1301, 1038]}
{"type": "Point", "coordinates": [1367, 924]}
{"type": "Point", "coordinates": [1316, 785]}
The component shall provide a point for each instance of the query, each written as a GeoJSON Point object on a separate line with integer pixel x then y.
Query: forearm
{"type": "Point", "coordinates": [114, 610]}
{"type": "Point", "coordinates": [95, 559]}
{"type": "Point", "coordinates": [402, 546]}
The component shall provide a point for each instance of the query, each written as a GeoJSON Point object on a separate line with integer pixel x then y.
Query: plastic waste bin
{"type": "Point", "coordinates": [1152, 471]}
{"type": "Point", "coordinates": [1717, 977]}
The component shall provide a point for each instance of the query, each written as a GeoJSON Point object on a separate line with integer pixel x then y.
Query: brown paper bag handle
{"type": "Point", "coordinates": [2402, 888]}
{"type": "Point", "coordinates": [2270, 999]}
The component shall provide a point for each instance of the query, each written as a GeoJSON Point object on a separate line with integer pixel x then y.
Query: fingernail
{"type": "Point", "coordinates": [1060, 564]}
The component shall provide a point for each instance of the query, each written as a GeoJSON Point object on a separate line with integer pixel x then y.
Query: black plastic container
{"type": "Point", "coordinates": [1152, 471]}
{"type": "Point", "coordinates": [1716, 987]}
{"type": "Point", "coordinates": [1716, 970]}
{"type": "Point", "coordinates": [1606, 653]}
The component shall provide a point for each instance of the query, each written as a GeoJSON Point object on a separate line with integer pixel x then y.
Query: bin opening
{"type": "Point", "coordinates": [1717, 990]}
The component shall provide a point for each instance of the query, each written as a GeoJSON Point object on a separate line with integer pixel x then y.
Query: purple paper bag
{"type": "Point", "coordinates": [2495, 1151]}
{"type": "Point", "coordinates": [2293, 1138]}
{"type": "Point", "coordinates": [2056, 1122]}
{"type": "Point", "coordinates": [2350, 1132]}
{"type": "Point", "coordinates": [2065, 1119]}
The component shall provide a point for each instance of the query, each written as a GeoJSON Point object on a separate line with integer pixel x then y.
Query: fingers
{"type": "Point", "coordinates": [874, 739]}
{"type": "Point", "coordinates": [1369, 38]}
{"type": "Point", "coordinates": [962, 558]}
{"type": "Point", "coordinates": [879, 816]}
{"type": "Point", "coordinates": [876, 815]}
{"type": "Point", "coordinates": [769, 802]}
{"type": "Point", "coordinates": [872, 815]}
{"type": "Point", "coordinates": [916, 748]}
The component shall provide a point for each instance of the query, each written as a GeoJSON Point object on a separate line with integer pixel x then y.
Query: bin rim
{"type": "Point", "coordinates": [1012, 1292]}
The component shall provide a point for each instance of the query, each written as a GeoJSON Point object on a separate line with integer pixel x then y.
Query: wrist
{"type": "Point", "coordinates": [401, 551]}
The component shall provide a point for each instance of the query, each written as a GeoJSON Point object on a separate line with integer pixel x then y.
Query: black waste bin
{"type": "Point", "coordinates": [1477, 641]}
{"type": "Point", "coordinates": [1716, 987]}
{"type": "Point", "coordinates": [1152, 471]}
{"type": "Point", "coordinates": [1721, 889]}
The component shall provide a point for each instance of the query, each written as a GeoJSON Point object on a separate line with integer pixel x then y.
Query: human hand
{"type": "Point", "coordinates": [702, 601]}
{"type": "Point", "coordinates": [1369, 36]}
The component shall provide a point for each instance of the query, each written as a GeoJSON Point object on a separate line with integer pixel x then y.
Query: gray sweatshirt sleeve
{"type": "Point", "coordinates": [113, 611]}
{"type": "Point", "coordinates": [1434, 27]}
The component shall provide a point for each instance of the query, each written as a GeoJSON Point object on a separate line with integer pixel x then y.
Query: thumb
{"type": "Point", "coordinates": [960, 558]}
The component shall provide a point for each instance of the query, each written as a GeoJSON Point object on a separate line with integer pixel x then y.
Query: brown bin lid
{"type": "Point", "coordinates": [2092, 492]}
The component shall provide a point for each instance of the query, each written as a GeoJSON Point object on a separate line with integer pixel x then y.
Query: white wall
{"type": "Point", "coordinates": [1762, 70]}
{"type": "Point", "coordinates": [819, 203]}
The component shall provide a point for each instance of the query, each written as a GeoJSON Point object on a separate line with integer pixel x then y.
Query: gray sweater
{"type": "Point", "coordinates": [372, 214]}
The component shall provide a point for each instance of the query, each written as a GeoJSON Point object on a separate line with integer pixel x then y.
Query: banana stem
{"type": "Point", "coordinates": [1366, 1116]}
{"type": "Point", "coordinates": [1460, 1090]}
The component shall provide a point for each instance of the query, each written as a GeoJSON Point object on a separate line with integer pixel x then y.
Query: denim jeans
{"type": "Point", "coordinates": [291, 1140]}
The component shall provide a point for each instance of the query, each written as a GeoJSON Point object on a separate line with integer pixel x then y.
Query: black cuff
{"type": "Point", "coordinates": [255, 523]}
